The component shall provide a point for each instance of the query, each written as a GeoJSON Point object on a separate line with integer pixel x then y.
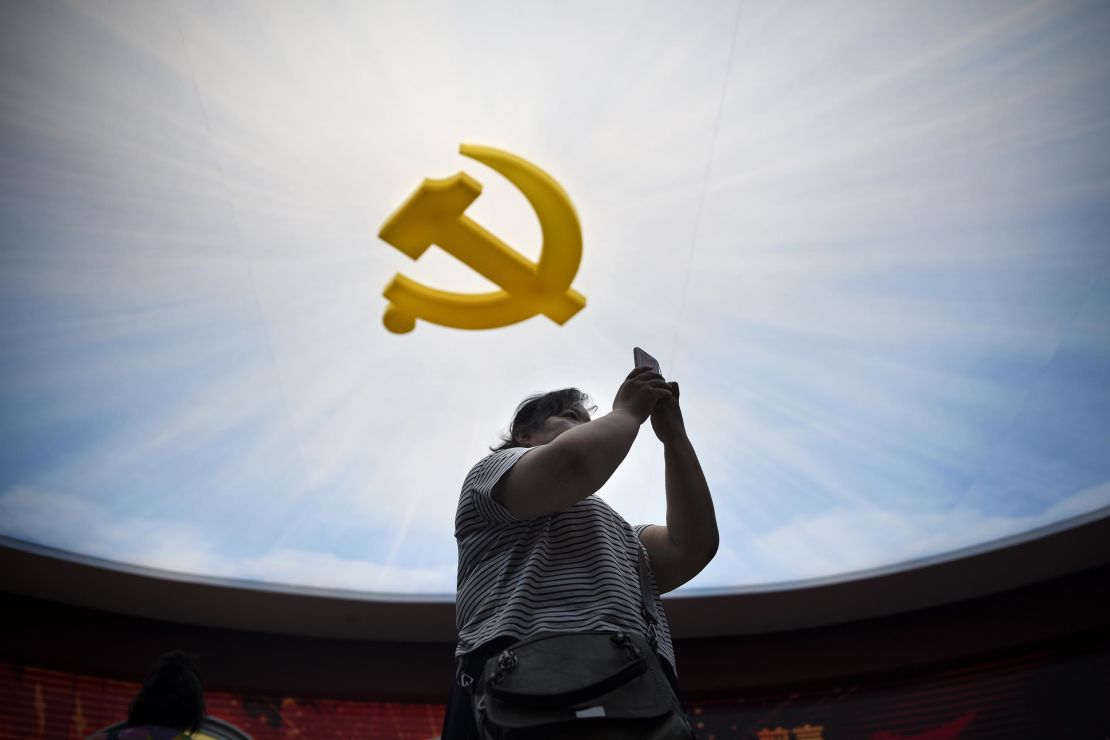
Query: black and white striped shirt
{"type": "Point", "coordinates": [577, 569]}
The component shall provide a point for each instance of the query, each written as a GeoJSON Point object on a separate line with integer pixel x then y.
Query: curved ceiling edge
{"type": "Point", "coordinates": [40, 572]}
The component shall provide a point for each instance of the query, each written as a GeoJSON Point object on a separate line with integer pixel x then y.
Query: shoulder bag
{"type": "Point", "coordinates": [581, 685]}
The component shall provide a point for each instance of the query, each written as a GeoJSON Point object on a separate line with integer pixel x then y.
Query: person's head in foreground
{"type": "Point", "coordinates": [172, 696]}
{"type": "Point", "coordinates": [543, 417]}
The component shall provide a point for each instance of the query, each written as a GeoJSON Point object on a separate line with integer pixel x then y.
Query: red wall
{"type": "Point", "coordinates": [47, 704]}
{"type": "Point", "coordinates": [1054, 692]}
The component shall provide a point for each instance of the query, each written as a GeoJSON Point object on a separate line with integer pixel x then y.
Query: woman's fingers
{"type": "Point", "coordinates": [645, 376]}
{"type": "Point", "coordinates": [641, 370]}
{"type": "Point", "coordinates": [662, 390]}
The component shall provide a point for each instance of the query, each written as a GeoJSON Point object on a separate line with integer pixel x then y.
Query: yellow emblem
{"type": "Point", "coordinates": [434, 214]}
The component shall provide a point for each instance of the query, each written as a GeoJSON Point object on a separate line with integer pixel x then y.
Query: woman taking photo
{"type": "Point", "coordinates": [539, 553]}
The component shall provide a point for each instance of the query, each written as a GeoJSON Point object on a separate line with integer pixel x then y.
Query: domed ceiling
{"type": "Point", "coordinates": [870, 240]}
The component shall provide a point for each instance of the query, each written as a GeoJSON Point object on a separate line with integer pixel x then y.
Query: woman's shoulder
{"type": "Point", "coordinates": [492, 466]}
{"type": "Point", "coordinates": [509, 453]}
{"type": "Point", "coordinates": [477, 509]}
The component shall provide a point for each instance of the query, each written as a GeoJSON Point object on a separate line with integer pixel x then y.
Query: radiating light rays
{"type": "Point", "coordinates": [947, 144]}
{"type": "Point", "coordinates": [801, 71]}
{"type": "Point", "coordinates": [877, 388]}
{"type": "Point", "coordinates": [853, 540]}
{"type": "Point", "coordinates": [879, 349]}
{"type": "Point", "coordinates": [1057, 444]}
{"type": "Point", "coordinates": [77, 524]}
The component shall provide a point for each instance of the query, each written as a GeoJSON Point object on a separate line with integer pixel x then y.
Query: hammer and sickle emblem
{"type": "Point", "coordinates": [434, 214]}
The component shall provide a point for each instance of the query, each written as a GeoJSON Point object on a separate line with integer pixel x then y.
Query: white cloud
{"type": "Point", "coordinates": [847, 540]}
{"type": "Point", "coordinates": [328, 570]}
{"type": "Point", "coordinates": [67, 522]}
{"type": "Point", "coordinates": [840, 541]}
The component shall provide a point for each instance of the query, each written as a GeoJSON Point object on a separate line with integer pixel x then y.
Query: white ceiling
{"type": "Point", "coordinates": [869, 239]}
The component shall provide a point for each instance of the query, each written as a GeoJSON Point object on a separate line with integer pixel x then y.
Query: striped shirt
{"type": "Point", "coordinates": [577, 569]}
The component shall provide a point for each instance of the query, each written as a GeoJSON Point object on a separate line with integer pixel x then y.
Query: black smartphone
{"type": "Point", "coordinates": [643, 359]}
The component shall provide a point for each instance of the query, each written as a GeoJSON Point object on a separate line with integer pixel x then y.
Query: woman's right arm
{"type": "Point", "coordinates": [579, 461]}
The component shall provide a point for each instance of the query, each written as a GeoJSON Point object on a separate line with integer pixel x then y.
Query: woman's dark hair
{"type": "Point", "coordinates": [534, 410]}
{"type": "Point", "coordinates": [172, 695]}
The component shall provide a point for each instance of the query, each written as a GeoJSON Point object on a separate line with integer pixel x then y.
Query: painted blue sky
{"type": "Point", "coordinates": [871, 241]}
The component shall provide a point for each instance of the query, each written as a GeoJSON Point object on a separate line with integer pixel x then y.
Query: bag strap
{"type": "Point", "coordinates": [647, 601]}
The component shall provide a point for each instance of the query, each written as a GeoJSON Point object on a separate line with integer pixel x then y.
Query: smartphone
{"type": "Point", "coordinates": [643, 359]}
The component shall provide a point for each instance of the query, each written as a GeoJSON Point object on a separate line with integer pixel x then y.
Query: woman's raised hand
{"type": "Point", "coordinates": [640, 391]}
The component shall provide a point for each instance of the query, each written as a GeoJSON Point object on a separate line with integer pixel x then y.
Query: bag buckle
{"type": "Point", "coordinates": [623, 640]}
{"type": "Point", "coordinates": [507, 660]}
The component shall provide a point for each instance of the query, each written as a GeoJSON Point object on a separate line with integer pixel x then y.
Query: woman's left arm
{"type": "Point", "coordinates": [681, 549]}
